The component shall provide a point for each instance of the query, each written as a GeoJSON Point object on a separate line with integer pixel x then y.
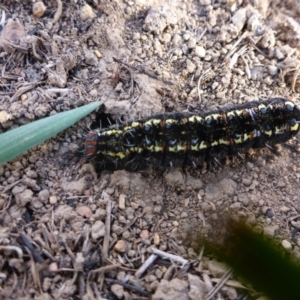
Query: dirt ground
{"type": "Point", "coordinates": [68, 232]}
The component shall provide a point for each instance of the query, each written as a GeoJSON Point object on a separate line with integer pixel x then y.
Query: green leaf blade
{"type": "Point", "coordinates": [15, 142]}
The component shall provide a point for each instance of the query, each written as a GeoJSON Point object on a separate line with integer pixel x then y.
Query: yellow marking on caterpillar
{"type": "Point", "coordinates": [177, 148]}
{"type": "Point", "coordinates": [213, 116]}
{"type": "Point", "coordinates": [289, 103]}
{"type": "Point", "coordinates": [112, 132]}
{"type": "Point", "coordinates": [120, 155]}
{"type": "Point", "coordinates": [219, 142]}
{"type": "Point", "coordinates": [203, 145]}
{"type": "Point", "coordinates": [132, 125]}
{"type": "Point", "coordinates": [171, 121]}
{"type": "Point", "coordinates": [269, 132]}
{"type": "Point", "coordinates": [261, 106]}
{"type": "Point", "coordinates": [238, 112]}
{"type": "Point", "coordinates": [195, 119]}
{"type": "Point", "coordinates": [240, 140]}
{"type": "Point", "coordinates": [295, 127]}
{"type": "Point", "coordinates": [231, 113]}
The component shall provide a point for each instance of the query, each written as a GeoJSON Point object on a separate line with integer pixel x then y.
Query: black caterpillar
{"type": "Point", "coordinates": [183, 139]}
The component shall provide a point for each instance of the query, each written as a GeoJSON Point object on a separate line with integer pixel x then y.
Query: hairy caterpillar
{"type": "Point", "coordinates": [185, 139]}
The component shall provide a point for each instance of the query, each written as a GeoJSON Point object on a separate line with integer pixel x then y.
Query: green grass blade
{"type": "Point", "coordinates": [17, 141]}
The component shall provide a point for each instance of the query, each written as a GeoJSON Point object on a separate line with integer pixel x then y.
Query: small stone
{"type": "Point", "coordinates": [84, 211]}
{"type": "Point", "coordinates": [120, 246]}
{"type": "Point", "coordinates": [93, 93]}
{"type": "Point", "coordinates": [239, 18]}
{"type": "Point", "coordinates": [98, 230]}
{"type": "Point", "coordinates": [122, 201]}
{"type": "Point", "coordinates": [38, 9]}
{"type": "Point", "coordinates": [4, 116]}
{"type": "Point", "coordinates": [90, 58]}
{"type": "Point", "coordinates": [156, 239]}
{"type": "Point", "coordinates": [175, 223]}
{"type": "Point", "coordinates": [177, 39]}
{"type": "Point", "coordinates": [286, 245]}
{"type": "Point", "coordinates": [166, 38]}
{"type": "Point", "coordinates": [284, 209]}
{"type": "Point", "coordinates": [117, 290]}
{"type": "Point", "coordinates": [205, 2]}
{"type": "Point", "coordinates": [190, 66]}
{"type": "Point", "coordinates": [270, 230]}
{"type": "Point", "coordinates": [246, 181]}
{"type": "Point", "coordinates": [53, 267]}
{"type": "Point", "coordinates": [192, 43]}
{"type": "Point", "coordinates": [18, 189]}
{"type": "Point", "coordinates": [200, 51]}
{"type": "Point", "coordinates": [53, 200]}
{"type": "Point", "coordinates": [43, 196]}
{"type": "Point", "coordinates": [23, 198]}
{"type": "Point", "coordinates": [24, 97]}
{"type": "Point", "coordinates": [86, 12]}
{"type": "Point", "coordinates": [98, 53]}
{"type": "Point", "coordinates": [273, 70]}
{"type": "Point", "coordinates": [144, 234]}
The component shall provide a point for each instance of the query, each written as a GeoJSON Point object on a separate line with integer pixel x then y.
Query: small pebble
{"type": "Point", "coordinates": [270, 230]}
{"type": "Point", "coordinates": [156, 239]}
{"type": "Point", "coordinates": [4, 116]}
{"type": "Point", "coordinates": [98, 53]}
{"type": "Point", "coordinates": [93, 93]}
{"type": "Point", "coordinates": [246, 181]}
{"type": "Point", "coordinates": [175, 223]}
{"type": "Point", "coordinates": [38, 9]}
{"type": "Point", "coordinates": [53, 200]}
{"type": "Point", "coordinates": [117, 290]}
{"type": "Point", "coordinates": [120, 246]}
{"type": "Point", "coordinates": [86, 12]}
{"type": "Point", "coordinates": [200, 51]}
{"type": "Point", "coordinates": [286, 245]}
{"type": "Point", "coordinates": [98, 230]}
{"type": "Point", "coordinates": [44, 196]}
{"type": "Point", "coordinates": [122, 201]}
{"type": "Point", "coordinates": [144, 234]}
{"type": "Point", "coordinates": [84, 211]}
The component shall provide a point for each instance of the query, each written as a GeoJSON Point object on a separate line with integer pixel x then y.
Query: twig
{"type": "Point", "coordinates": [58, 12]}
{"type": "Point", "coordinates": [128, 286]}
{"type": "Point", "coordinates": [219, 285]}
{"type": "Point", "coordinates": [102, 270]}
{"type": "Point", "coordinates": [121, 230]}
{"type": "Point", "coordinates": [23, 90]}
{"type": "Point", "coordinates": [15, 248]}
{"type": "Point", "coordinates": [107, 230]}
{"type": "Point", "coordinates": [171, 257]}
{"type": "Point", "coordinates": [145, 265]}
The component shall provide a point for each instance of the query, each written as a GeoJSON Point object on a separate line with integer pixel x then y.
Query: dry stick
{"type": "Point", "coordinates": [219, 285]}
{"type": "Point", "coordinates": [145, 265]}
{"type": "Point", "coordinates": [107, 230]}
{"type": "Point", "coordinates": [23, 90]}
{"type": "Point", "coordinates": [171, 257]}
{"type": "Point", "coordinates": [58, 12]}
{"type": "Point", "coordinates": [121, 230]}
{"type": "Point", "coordinates": [102, 270]}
